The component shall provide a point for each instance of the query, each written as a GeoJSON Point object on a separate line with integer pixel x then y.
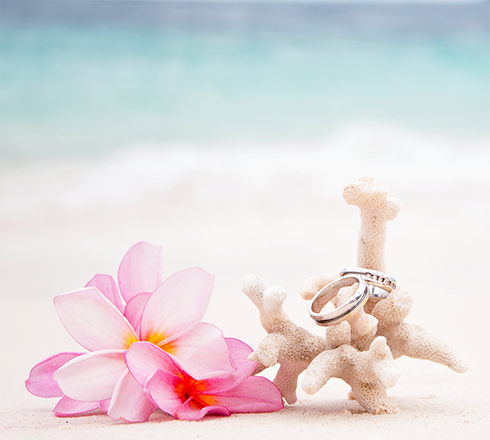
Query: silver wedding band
{"type": "Point", "coordinates": [371, 284]}
{"type": "Point", "coordinates": [345, 310]}
{"type": "Point", "coordinates": [380, 284]}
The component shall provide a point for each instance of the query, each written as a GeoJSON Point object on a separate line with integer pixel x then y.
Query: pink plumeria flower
{"type": "Point", "coordinates": [179, 394]}
{"type": "Point", "coordinates": [166, 314]}
{"type": "Point", "coordinates": [41, 383]}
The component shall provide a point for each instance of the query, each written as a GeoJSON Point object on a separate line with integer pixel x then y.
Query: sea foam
{"type": "Point", "coordinates": [227, 177]}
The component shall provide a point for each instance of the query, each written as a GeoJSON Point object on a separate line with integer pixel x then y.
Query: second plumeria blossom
{"type": "Point", "coordinates": [182, 396]}
{"type": "Point", "coordinates": [165, 314]}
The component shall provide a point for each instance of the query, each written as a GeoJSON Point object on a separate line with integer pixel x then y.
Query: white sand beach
{"type": "Point", "coordinates": [284, 227]}
{"type": "Point", "coordinates": [225, 132]}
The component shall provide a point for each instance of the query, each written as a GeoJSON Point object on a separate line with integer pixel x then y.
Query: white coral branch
{"type": "Point", "coordinates": [286, 343]}
{"type": "Point", "coordinates": [368, 373]}
{"type": "Point", "coordinates": [376, 209]}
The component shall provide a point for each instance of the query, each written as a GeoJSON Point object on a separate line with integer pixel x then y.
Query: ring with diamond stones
{"type": "Point", "coordinates": [345, 310]}
{"type": "Point", "coordinates": [381, 285]}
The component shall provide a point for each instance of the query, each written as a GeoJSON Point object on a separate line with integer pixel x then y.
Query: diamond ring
{"type": "Point", "coordinates": [381, 285]}
{"type": "Point", "coordinates": [345, 310]}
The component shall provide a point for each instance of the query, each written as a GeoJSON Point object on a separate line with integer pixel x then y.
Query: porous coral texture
{"type": "Point", "coordinates": [295, 349]}
{"type": "Point", "coordinates": [361, 350]}
{"type": "Point", "coordinates": [412, 340]}
{"type": "Point", "coordinates": [379, 321]}
{"type": "Point", "coordinates": [368, 373]}
{"type": "Point", "coordinates": [314, 284]}
{"type": "Point", "coordinates": [362, 324]}
{"type": "Point", "coordinates": [376, 209]}
{"type": "Point", "coordinates": [291, 346]}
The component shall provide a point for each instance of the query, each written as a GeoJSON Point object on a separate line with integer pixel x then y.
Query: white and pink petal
{"type": "Point", "coordinates": [239, 352]}
{"type": "Point", "coordinates": [167, 391]}
{"type": "Point", "coordinates": [177, 305]}
{"type": "Point", "coordinates": [93, 321]}
{"type": "Point", "coordinates": [70, 407]}
{"type": "Point", "coordinates": [41, 381]}
{"type": "Point", "coordinates": [134, 310]}
{"type": "Point", "coordinates": [190, 411]}
{"type": "Point", "coordinates": [104, 405]}
{"type": "Point", "coordinates": [128, 401]}
{"type": "Point", "coordinates": [140, 270]}
{"type": "Point", "coordinates": [144, 358]}
{"type": "Point", "coordinates": [93, 376]}
{"type": "Point", "coordinates": [106, 285]}
{"type": "Point", "coordinates": [202, 352]}
{"type": "Point", "coordinates": [255, 394]}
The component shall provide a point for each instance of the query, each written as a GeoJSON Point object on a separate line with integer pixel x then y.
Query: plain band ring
{"type": "Point", "coordinates": [345, 310]}
{"type": "Point", "coordinates": [381, 285]}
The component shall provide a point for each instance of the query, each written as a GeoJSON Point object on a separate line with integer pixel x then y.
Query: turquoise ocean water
{"type": "Point", "coordinates": [88, 77]}
{"type": "Point", "coordinates": [107, 101]}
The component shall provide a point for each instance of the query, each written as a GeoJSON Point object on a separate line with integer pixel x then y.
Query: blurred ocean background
{"type": "Point", "coordinates": [83, 78]}
{"type": "Point", "coordinates": [226, 130]}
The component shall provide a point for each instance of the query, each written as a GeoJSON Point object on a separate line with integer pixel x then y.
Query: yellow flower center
{"type": "Point", "coordinates": [158, 340]}
{"type": "Point", "coordinates": [199, 401]}
{"type": "Point", "coordinates": [155, 338]}
{"type": "Point", "coordinates": [130, 340]}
